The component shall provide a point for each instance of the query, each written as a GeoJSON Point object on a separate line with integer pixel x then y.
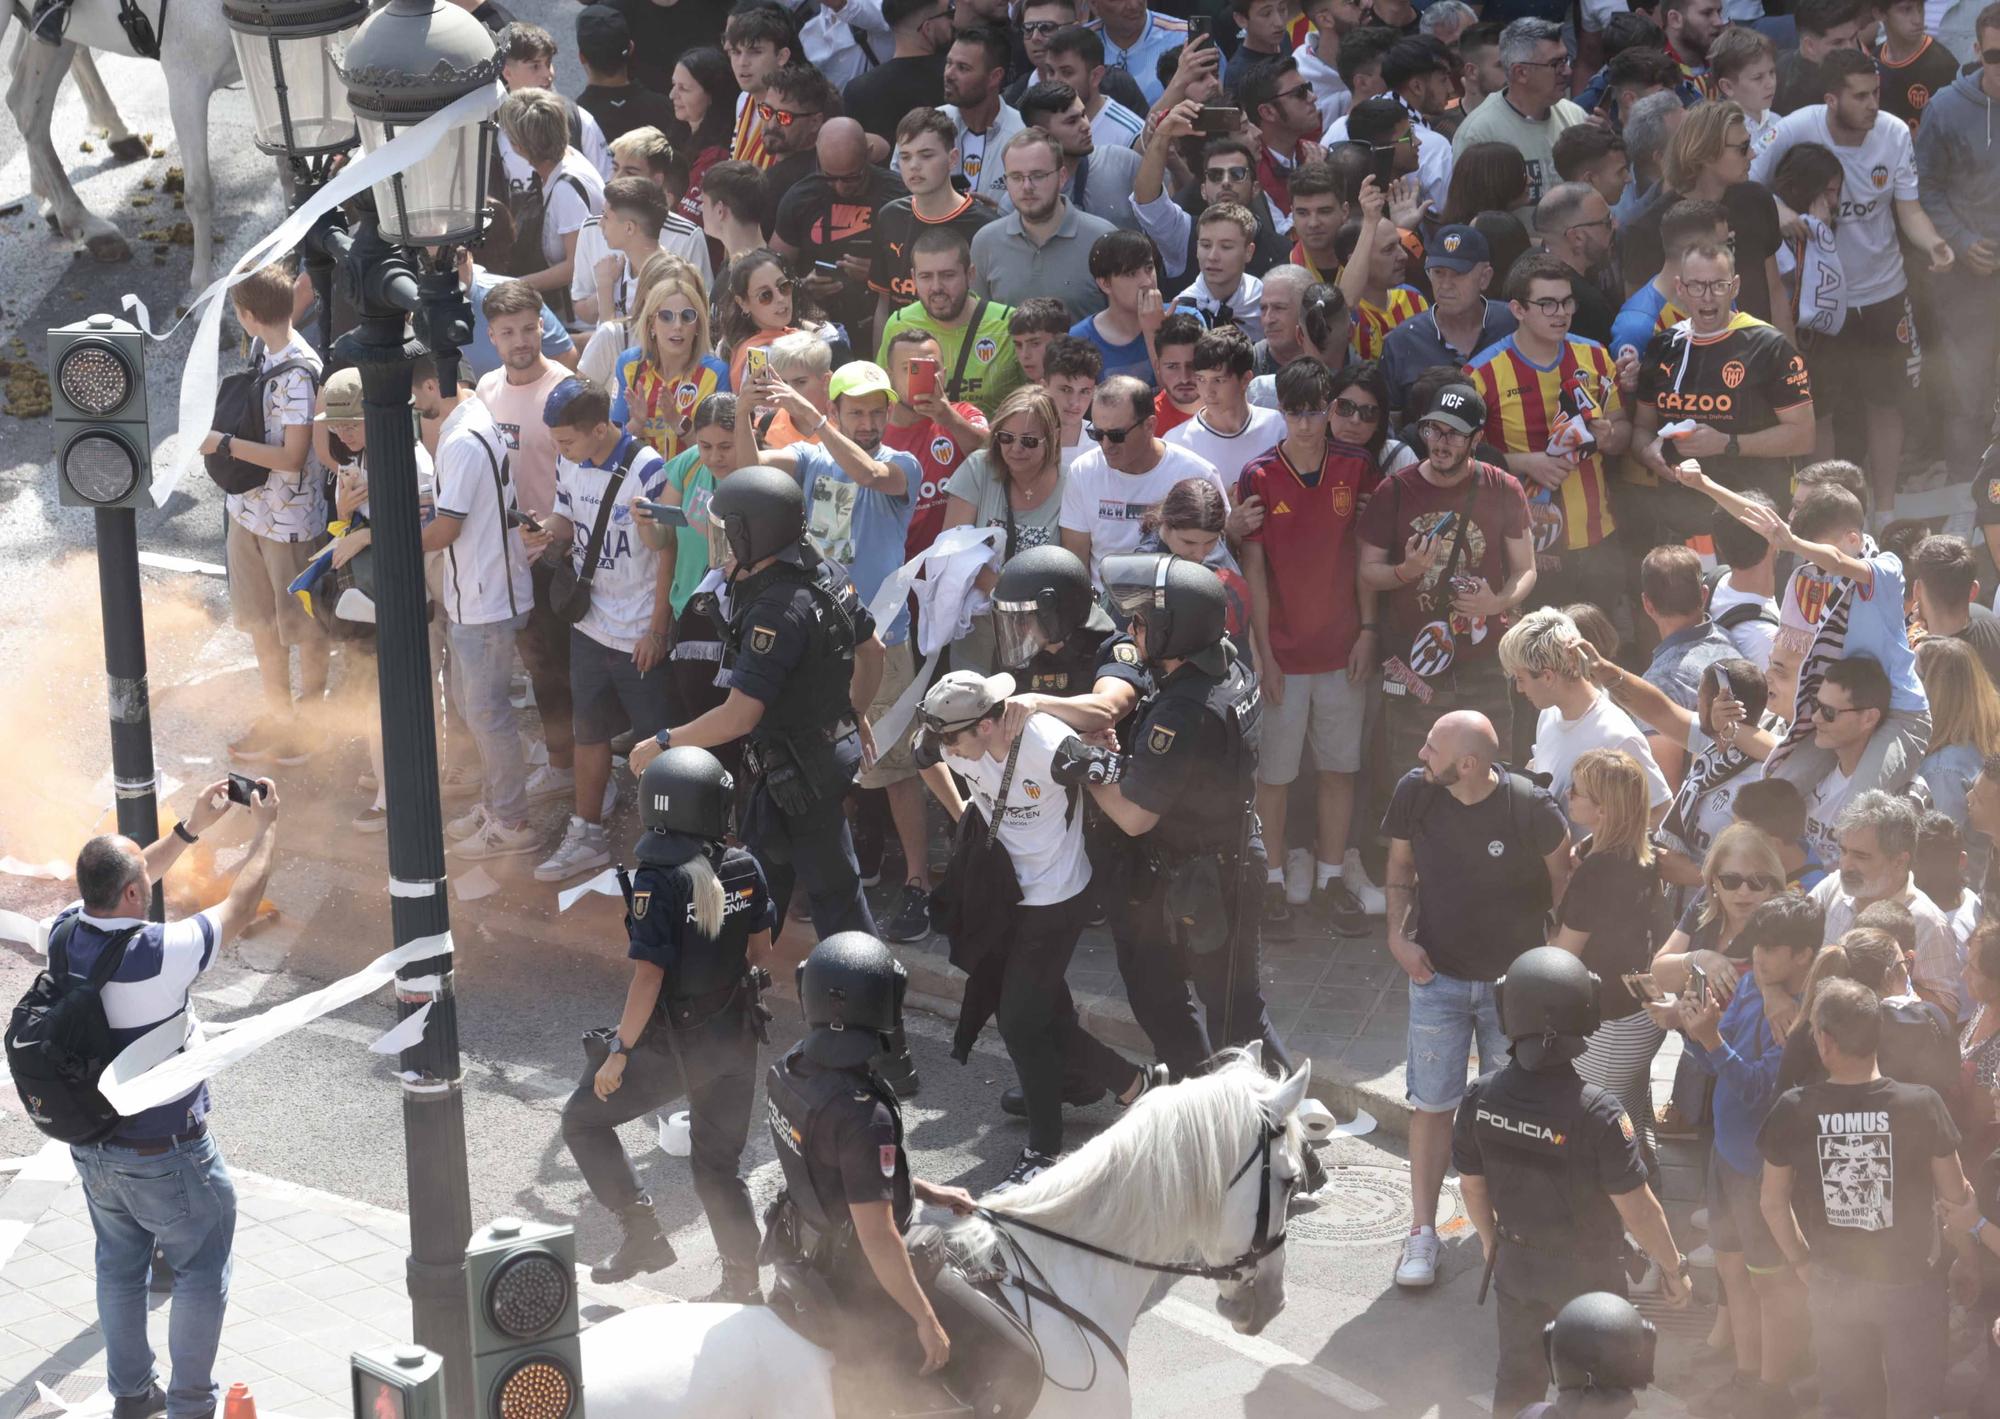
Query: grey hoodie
{"type": "Point", "coordinates": [1958, 164]}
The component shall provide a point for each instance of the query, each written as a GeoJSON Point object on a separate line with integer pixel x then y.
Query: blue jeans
{"type": "Point", "coordinates": [482, 664]}
{"type": "Point", "coordinates": [183, 1201]}
{"type": "Point", "coordinates": [1447, 1017]}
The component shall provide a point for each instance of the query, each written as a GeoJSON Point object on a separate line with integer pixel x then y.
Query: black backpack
{"type": "Point", "coordinates": [239, 410]}
{"type": "Point", "coordinates": [59, 1043]}
{"type": "Point", "coordinates": [1742, 613]}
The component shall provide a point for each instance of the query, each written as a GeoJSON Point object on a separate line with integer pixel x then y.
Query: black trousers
{"type": "Point", "coordinates": [721, 1057]}
{"type": "Point", "coordinates": [813, 849]}
{"type": "Point", "coordinates": [1157, 974]}
{"type": "Point", "coordinates": [1038, 1020]}
{"type": "Point", "coordinates": [1531, 1287]}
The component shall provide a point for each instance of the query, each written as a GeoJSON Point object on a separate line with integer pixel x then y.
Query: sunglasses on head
{"type": "Point", "coordinates": [1755, 881]}
{"type": "Point", "coordinates": [1030, 442]}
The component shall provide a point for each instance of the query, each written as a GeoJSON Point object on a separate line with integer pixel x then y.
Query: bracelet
{"type": "Point", "coordinates": [1977, 1228]}
{"type": "Point", "coordinates": [181, 832]}
{"type": "Point", "coordinates": [813, 432]}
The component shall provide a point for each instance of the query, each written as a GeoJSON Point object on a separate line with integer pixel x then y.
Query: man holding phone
{"type": "Point", "coordinates": [826, 224]}
{"type": "Point", "coordinates": [938, 433]}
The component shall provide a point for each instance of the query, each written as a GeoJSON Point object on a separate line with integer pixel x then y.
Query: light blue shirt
{"type": "Point", "coordinates": [1142, 61]}
{"type": "Point", "coordinates": [1875, 629]}
{"type": "Point", "coordinates": [861, 528]}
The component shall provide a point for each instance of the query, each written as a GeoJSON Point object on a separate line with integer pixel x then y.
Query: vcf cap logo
{"type": "Point", "coordinates": [1879, 175]}
{"type": "Point", "coordinates": [942, 449]}
{"type": "Point", "coordinates": [1451, 244]}
{"type": "Point", "coordinates": [1453, 400]}
{"type": "Point", "coordinates": [1733, 373]}
{"type": "Point", "coordinates": [986, 347]}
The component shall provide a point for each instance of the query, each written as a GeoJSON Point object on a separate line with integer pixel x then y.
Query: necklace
{"type": "Point", "coordinates": [1029, 495]}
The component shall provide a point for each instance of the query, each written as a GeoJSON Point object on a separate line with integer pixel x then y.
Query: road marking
{"type": "Point", "coordinates": [1271, 1356]}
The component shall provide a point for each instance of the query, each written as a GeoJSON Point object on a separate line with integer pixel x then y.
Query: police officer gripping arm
{"type": "Point", "coordinates": [699, 920]}
{"type": "Point", "coordinates": [1600, 1352]}
{"type": "Point", "coordinates": [1550, 1171]}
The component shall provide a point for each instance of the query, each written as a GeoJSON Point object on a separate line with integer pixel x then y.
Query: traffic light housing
{"type": "Point", "coordinates": [97, 384]}
{"type": "Point", "coordinates": [526, 1363]}
{"type": "Point", "coordinates": [397, 1382]}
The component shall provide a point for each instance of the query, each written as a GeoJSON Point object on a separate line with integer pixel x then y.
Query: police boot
{"type": "Point", "coordinates": [738, 1287]}
{"type": "Point", "coordinates": [642, 1246]}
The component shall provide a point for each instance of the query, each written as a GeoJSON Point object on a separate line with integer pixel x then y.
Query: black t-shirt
{"type": "Point", "coordinates": [1918, 1046]}
{"type": "Point", "coordinates": [897, 227]}
{"type": "Point", "coordinates": [1753, 221]}
{"type": "Point", "coordinates": [817, 223]}
{"type": "Point", "coordinates": [1482, 887]}
{"type": "Point", "coordinates": [1735, 381]}
{"type": "Point", "coordinates": [1982, 633]}
{"type": "Point", "coordinates": [1909, 87]}
{"type": "Point", "coordinates": [619, 110]}
{"type": "Point", "coordinates": [661, 930]}
{"type": "Point", "coordinates": [781, 177]}
{"type": "Point", "coordinates": [1594, 311]}
{"type": "Point", "coordinates": [1613, 899]}
{"type": "Point", "coordinates": [1800, 83]}
{"type": "Point", "coordinates": [878, 98]}
{"type": "Point", "coordinates": [1861, 1157]}
{"type": "Point", "coordinates": [663, 32]}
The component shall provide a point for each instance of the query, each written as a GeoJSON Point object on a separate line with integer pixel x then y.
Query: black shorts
{"type": "Point", "coordinates": [1736, 1218]}
{"type": "Point", "coordinates": [1874, 360]}
{"type": "Point", "coordinates": [603, 681]}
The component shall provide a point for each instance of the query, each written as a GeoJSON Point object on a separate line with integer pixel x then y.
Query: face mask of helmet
{"type": "Point", "coordinates": [1024, 629]}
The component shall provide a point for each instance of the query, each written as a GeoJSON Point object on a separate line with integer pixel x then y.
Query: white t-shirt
{"type": "Point", "coordinates": [1229, 452]}
{"type": "Point", "coordinates": [1110, 506]}
{"type": "Point", "coordinates": [1823, 807]}
{"type": "Point", "coordinates": [1116, 126]}
{"type": "Point", "coordinates": [622, 597]}
{"type": "Point", "coordinates": [590, 139]}
{"type": "Point", "coordinates": [1880, 170]}
{"type": "Point", "coordinates": [1752, 638]}
{"type": "Point", "coordinates": [1560, 742]}
{"type": "Point", "coordinates": [289, 507]}
{"type": "Point", "coordinates": [1044, 839]}
{"type": "Point", "coordinates": [485, 573]}
{"type": "Point", "coordinates": [678, 237]}
{"type": "Point", "coordinates": [1433, 155]}
{"type": "Point", "coordinates": [564, 209]}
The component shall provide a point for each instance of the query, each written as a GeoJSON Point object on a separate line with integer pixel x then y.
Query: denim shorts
{"type": "Point", "coordinates": [602, 681]}
{"type": "Point", "coordinates": [1447, 1017]}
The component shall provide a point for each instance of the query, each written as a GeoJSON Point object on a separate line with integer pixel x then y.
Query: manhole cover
{"type": "Point", "coordinates": [71, 1389]}
{"type": "Point", "coordinates": [1365, 1202]}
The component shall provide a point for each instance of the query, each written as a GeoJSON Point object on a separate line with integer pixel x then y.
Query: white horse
{"type": "Point", "coordinates": [1201, 1169]}
{"type": "Point", "coordinates": [198, 59]}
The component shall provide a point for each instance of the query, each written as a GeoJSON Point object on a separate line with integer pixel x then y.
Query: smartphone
{"type": "Point", "coordinates": [757, 362]}
{"type": "Point", "coordinates": [517, 518]}
{"type": "Point", "coordinates": [1197, 27]}
{"type": "Point", "coordinates": [827, 268]}
{"type": "Point", "coordinates": [1213, 120]}
{"type": "Point", "coordinates": [1444, 525]}
{"type": "Point", "coordinates": [1640, 983]}
{"type": "Point", "coordinates": [1384, 155]}
{"type": "Point", "coordinates": [923, 375]}
{"type": "Point", "coordinates": [665, 513]}
{"type": "Point", "coordinates": [1698, 986]}
{"type": "Point", "coordinates": [244, 789]}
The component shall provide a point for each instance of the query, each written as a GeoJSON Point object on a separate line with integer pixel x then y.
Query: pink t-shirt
{"type": "Point", "coordinates": [517, 409]}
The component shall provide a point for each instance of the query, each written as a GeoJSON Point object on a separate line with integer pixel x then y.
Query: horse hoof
{"type": "Point", "coordinates": [130, 148]}
{"type": "Point", "coordinates": [108, 247]}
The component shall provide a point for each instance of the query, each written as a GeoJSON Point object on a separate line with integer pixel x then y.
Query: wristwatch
{"type": "Point", "coordinates": [665, 738]}
{"type": "Point", "coordinates": [1977, 1228]}
{"type": "Point", "coordinates": [615, 1045]}
{"type": "Point", "coordinates": [181, 832]}
{"type": "Point", "coordinates": [1734, 447]}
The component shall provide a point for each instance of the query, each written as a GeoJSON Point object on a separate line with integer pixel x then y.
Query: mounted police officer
{"type": "Point", "coordinates": [1185, 786]}
{"type": "Point", "coordinates": [803, 662]}
{"type": "Point", "coordinates": [1550, 1171]}
{"type": "Point", "coordinates": [845, 1277]}
{"type": "Point", "coordinates": [699, 920]}
{"type": "Point", "coordinates": [1600, 1352]}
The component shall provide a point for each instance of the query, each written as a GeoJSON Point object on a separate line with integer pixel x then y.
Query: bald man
{"type": "Point", "coordinates": [826, 225]}
{"type": "Point", "coordinates": [1481, 854]}
{"type": "Point", "coordinates": [159, 1179]}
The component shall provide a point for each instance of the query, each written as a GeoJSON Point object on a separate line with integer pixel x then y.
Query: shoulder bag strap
{"type": "Point", "coordinates": [1458, 541]}
{"type": "Point", "coordinates": [589, 572]}
{"type": "Point", "coordinates": [59, 949]}
{"type": "Point", "coordinates": [1006, 782]}
{"type": "Point", "coordinates": [957, 385]}
{"type": "Point", "coordinates": [501, 467]}
{"type": "Point", "coordinates": [113, 956]}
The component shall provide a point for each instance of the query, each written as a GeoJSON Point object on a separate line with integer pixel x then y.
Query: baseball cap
{"type": "Point", "coordinates": [858, 377]}
{"type": "Point", "coordinates": [343, 397]}
{"type": "Point", "coordinates": [1457, 406]}
{"type": "Point", "coordinates": [962, 698]}
{"type": "Point", "coordinates": [1457, 248]}
{"type": "Point", "coordinates": [602, 33]}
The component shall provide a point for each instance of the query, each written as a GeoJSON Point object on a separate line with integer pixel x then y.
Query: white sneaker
{"type": "Point", "coordinates": [466, 824]}
{"type": "Point", "coordinates": [1298, 876]}
{"type": "Point", "coordinates": [461, 781]}
{"type": "Point", "coordinates": [1703, 1255]}
{"type": "Point", "coordinates": [584, 848]}
{"type": "Point", "coordinates": [547, 783]}
{"type": "Point", "coordinates": [496, 839]}
{"type": "Point", "coordinates": [1373, 901]}
{"type": "Point", "coordinates": [1419, 1266]}
{"type": "Point", "coordinates": [1698, 1219]}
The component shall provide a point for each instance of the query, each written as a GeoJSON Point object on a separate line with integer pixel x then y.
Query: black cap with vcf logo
{"type": "Point", "coordinates": [1457, 406]}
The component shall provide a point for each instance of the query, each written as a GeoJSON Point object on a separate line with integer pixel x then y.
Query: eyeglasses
{"type": "Point", "coordinates": [781, 287]}
{"type": "Point", "coordinates": [1553, 306]}
{"type": "Point", "coordinates": [1743, 148]}
{"type": "Point", "coordinates": [1113, 436]}
{"type": "Point", "coordinates": [1239, 173]}
{"type": "Point", "coordinates": [1558, 65]}
{"type": "Point", "coordinates": [1607, 221]}
{"type": "Point", "coordinates": [1755, 881]}
{"type": "Point", "coordinates": [677, 317]}
{"type": "Point", "coordinates": [1408, 140]}
{"type": "Point", "coordinates": [1348, 409]}
{"type": "Point", "coordinates": [1441, 431]}
{"type": "Point", "coordinates": [1032, 179]}
{"type": "Point", "coordinates": [1038, 28]}
{"type": "Point", "coordinates": [842, 178]}
{"type": "Point", "coordinates": [783, 117]}
{"type": "Point", "coordinates": [1030, 442]}
{"type": "Point", "coordinates": [1827, 714]}
{"type": "Point", "coordinates": [1706, 289]}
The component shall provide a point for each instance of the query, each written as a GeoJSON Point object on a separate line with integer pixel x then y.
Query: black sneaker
{"type": "Point", "coordinates": [912, 921]}
{"type": "Point", "coordinates": [140, 1406]}
{"type": "Point", "coordinates": [1277, 910]}
{"type": "Point", "coordinates": [1029, 1166]}
{"type": "Point", "coordinates": [1076, 1095]}
{"type": "Point", "coordinates": [868, 852]}
{"type": "Point", "coordinates": [738, 1288]}
{"type": "Point", "coordinates": [642, 1246]}
{"type": "Point", "coordinates": [1339, 908]}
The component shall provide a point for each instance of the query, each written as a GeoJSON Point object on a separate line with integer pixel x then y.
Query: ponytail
{"type": "Point", "coordinates": [1866, 955]}
{"type": "Point", "coordinates": [705, 892]}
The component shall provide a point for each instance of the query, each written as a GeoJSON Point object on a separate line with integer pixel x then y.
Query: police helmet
{"type": "Point", "coordinates": [686, 790]}
{"type": "Point", "coordinates": [1041, 599]}
{"type": "Point", "coordinates": [1548, 1006]}
{"type": "Point", "coordinates": [762, 512]}
{"type": "Point", "coordinates": [851, 992]}
{"type": "Point", "coordinates": [1182, 604]}
{"type": "Point", "coordinates": [1600, 1341]}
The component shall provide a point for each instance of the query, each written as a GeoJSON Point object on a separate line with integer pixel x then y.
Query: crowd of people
{"type": "Point", "coordinates": [1466, 441]}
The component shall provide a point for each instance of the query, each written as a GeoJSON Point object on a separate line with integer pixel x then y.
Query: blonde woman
{"type": "Point", "coordinates": [1610, 917]}
{"type": "Point", "coordinates": [1965, 720]}
{"type": "Point", "coordinates": [666, 375]}
{"type": "Point", "coordinates": [1708, 159]}
{"type": "Point", "coordinates": [614, 336]}
{"type": "Point", "coordinates": [1015, 483]}
{"type": "Point", "coordinates": [1741, 872]}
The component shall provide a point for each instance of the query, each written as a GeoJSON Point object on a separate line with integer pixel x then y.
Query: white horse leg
{"type": "Point", "coordinates": [32, 100]}
{"type": "Point", "coordinates": [187, 100]}
{"type": "Point", "coordinates": [126, 146]}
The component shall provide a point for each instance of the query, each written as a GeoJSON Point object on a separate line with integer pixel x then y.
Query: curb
{"type": "Point", "coordinates": [940, 990]}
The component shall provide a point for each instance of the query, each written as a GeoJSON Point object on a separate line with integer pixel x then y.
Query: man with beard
{"type": "Point", "coordinates": [1577, 228]}
{"type": "Point", "coordinates": [975, 70]}
{"type": "Point", "coordinates": [1042, 247]}
{"type": "Point", "coordinates": [1097, 180]}
{"type": "Point", "coordinates": [1877, 833]}
{"type": "Point", "coordinates": [1074, 54]}
{"type": "Point", "coordinates": [1690, 26]}
{"type": "Point", "coordinates": [975, 348]}
{"type": "Point", "coordinates": [925, 158]}
{"type": "Point", "coordinates": [1228, 173]}
{"type": "Point", "coordinates": [800, 101]}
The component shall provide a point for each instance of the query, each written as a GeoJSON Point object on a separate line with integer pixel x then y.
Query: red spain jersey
{"type": "Point", "coordinates": [1529, 406]}
{"type": "Point", "coordinates": [1372, 323]}
{"type": "Point", "coordinates": [1309, 553]}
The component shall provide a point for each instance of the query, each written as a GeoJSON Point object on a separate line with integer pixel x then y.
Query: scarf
{"type": "Point", "coordinates": [1829, 644]}
{"type": "Point", "coordinates": [1715, 766]}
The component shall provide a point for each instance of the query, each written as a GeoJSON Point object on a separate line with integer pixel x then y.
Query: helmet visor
{"type": "Point", "coordinates": [1136, 580]}
{"type": "Point", "coordinates": [1019, 632]}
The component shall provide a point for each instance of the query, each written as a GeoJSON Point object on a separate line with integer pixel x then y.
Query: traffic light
{"type": "Point", "coordinates": [104, 446]}
{"type": "Point", "coordinates": [397, 1382]}
{"type": "Point", "coordinates": [526, 1363]}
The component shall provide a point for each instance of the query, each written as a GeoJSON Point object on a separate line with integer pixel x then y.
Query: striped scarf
{"type": "Point", "coordinates": [1829, 644]}
{"type": "Point", "coordinates": [1717, 765]}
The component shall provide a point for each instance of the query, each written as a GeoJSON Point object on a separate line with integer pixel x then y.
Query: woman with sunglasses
{"type": "Point", "coordinates": [1741, 872]}
{"type": "Point", "coordinates": [1360, 416]}
{"type": "Point", "coordinates": [760, 303]}
{"type": "Point", "coordinates": [703, 93]}
{"type": "Point", "coordinates": [664, 378]}
{"type": "Point", "coordinates": [1015, 483]}
{"type": "Point", "coordinates": [1965, 722]}
{"type": "Point", "coordinates": [613, 337]}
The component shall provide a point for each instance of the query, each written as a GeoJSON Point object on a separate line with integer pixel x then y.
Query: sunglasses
{"type": "Point", "coordinates": [1989, 56]}
{"type": "Point", "coordinates": [1348, 409]}
{"type": "Point", "coordinates": [1038, 28]}
{"type": "Point", "coordinates": [1827, 714]}
{"type": "Point", "coordinates": [1113, 435]}
{"type": "Point", "coordinates": [1742, 148]}
{"type": "Point", "coordinates": [1238, 173]}
{"type": "Point", "coordinates": [1755, 881]}
{"type": "Point", "coordinates": [1296, 91]}
{"type": "Point", "coordinates": [677, 317]}
{"type": "Point", "coordinates": [1030, 442]}
{"type": "Point", "coordinates": [783, 117]}
{"type": "Point", "coordinates": [781, 287]}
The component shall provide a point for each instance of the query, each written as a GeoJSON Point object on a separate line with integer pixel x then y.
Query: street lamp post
{"type": "Point", "coordinates": [408, 60]}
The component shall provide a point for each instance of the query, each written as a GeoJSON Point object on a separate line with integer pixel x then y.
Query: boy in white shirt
{"type": "Point", "coordinates": [1225, 293]}
{"type": "Point", "coordinates": [600, 292]}
{"type": "Point", "coordinates": [1226, 430]}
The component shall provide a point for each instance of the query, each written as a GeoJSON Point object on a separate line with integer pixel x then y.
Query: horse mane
{"type": "Point", "coordinates": [1152, 1185]}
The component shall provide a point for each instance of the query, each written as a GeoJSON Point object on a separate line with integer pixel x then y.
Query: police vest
{"type": "Point", "coordinates": [799, 1096]}
{"type": "Point", "coordinates": [1210, 813]}
{"type": "Point", "coordinates": [1067, 672]}
{"type": "Point", "coordinates": [1541, 1170]}
{"type": "Point", "coordinates": [816, 696]}
{"type": "Point", "coordinates": [702, 966]}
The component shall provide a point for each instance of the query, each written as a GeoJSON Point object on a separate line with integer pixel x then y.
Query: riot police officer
{"type": "Point", "coordinates": [848, 1199]}
{"type": "Point", "coordinates": [1048, 629]}
{"type": "Point", "coordinates": [699, 919]}
{"type": "Point", "coordinates": [1186, 788]}
{"type": "Point", "coordinates": [1600, 1352]}
{"type": "Point", "coordinates": [1550, 1171]}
